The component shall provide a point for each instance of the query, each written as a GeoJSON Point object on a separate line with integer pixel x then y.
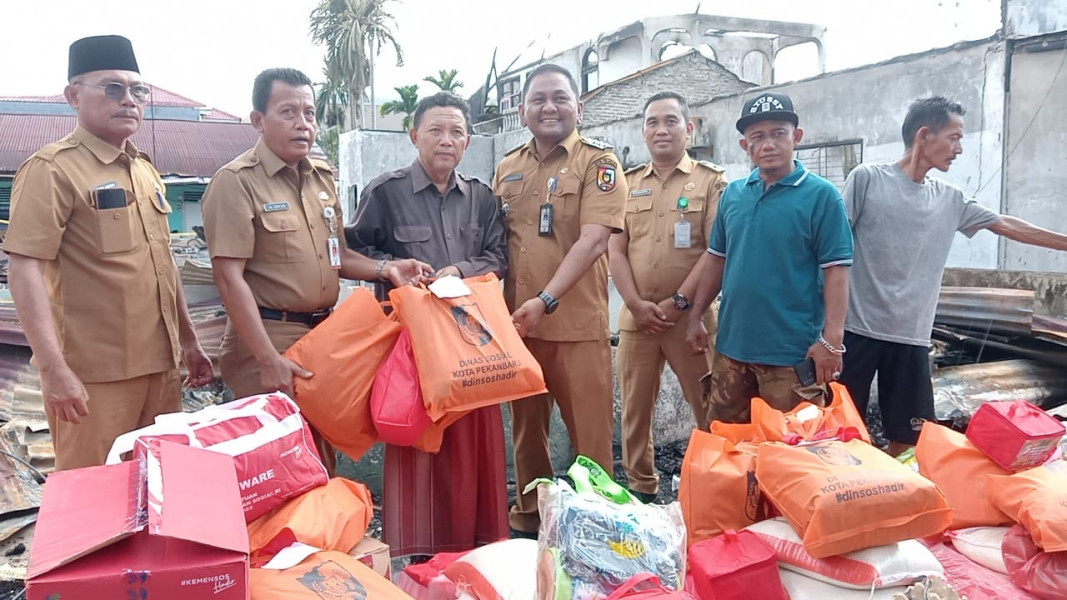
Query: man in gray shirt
{"type": "Point", "coordinates": [903, 224]}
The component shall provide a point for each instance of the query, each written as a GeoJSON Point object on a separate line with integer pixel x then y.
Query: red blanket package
{"type": "Point", "coordinates": [735, 566]}
{"type": "Point", "coordinates": [266, 435]}
{"type": "Point", "coordinates": [1016, 435]}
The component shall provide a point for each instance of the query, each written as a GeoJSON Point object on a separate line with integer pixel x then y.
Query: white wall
{"type": "Point", "coordinates": [1034, 17]}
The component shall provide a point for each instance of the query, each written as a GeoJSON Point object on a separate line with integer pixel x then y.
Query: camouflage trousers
{"type": "Point", "coordinates": [731, 385]}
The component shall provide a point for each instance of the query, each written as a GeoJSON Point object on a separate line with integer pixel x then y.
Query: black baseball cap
{"type": "Point", "coordinates": [767, 107]}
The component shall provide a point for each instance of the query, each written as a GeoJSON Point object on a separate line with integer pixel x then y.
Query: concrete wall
{"type": "Point", "coordinates": [1034, 17]}
{"type": "Point", "coordinates": [365, 154]}
{"type": "Point", "coordinates": [869, 104]}
{"type": "Point", "coordinates": [1036, 136]}
{"type": "Point", "coordinates": [623, 58]}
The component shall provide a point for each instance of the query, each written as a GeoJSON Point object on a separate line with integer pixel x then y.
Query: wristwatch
{"type": "Point", "coordinates": [550, 303]}
{"type": "Point", "coordinates": [680, 301]}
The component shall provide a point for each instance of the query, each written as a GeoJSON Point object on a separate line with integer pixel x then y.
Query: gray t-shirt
{"type": "Point", "coordinates": [902, 233]}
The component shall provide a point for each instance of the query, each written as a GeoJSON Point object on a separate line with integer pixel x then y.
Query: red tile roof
{"type": "Point", "coordinates": [160, 97]}
{"type": "Point", "coordinates": [188, 148]}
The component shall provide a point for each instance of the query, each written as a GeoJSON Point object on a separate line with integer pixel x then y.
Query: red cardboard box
{"type": "Point", "coordinates": [167, 526]}
{"type": "Point", "coordinates": [1015, 435]}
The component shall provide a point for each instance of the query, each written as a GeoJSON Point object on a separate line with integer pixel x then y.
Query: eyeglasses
{"type": "Point", "coordinates": [116, 91]}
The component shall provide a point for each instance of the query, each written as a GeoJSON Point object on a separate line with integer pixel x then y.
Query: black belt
{"type": "Point", "coordinates": [308, 318]}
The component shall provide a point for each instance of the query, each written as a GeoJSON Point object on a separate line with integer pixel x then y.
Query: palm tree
{"type": "Point", "coordinates": [445, 80]}
{"type": "Point", "coordinates": [331, 100]}
{"type": "Point", "coordinates": [354, 32]}
{"type": "Point", "coordinates": [409, 99]}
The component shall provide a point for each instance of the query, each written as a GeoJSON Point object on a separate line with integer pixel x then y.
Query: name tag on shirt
{"type": "Point", "coordinates": [636, 193]}
{"type": "Point", "coordinates": [513, 177]}
{"type": "Point", "coordinates": [275, 206]}
{"type": "Point", "coordinates": [682, 234]}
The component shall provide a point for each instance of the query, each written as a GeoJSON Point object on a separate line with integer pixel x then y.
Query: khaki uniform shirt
{"type": "Point", "coordinates": [651, 213]}
{"type": "Point", "coordinates": [262, 210]}
{"type": "Point", "coordinates": [590, 190]}
{"type": "Point", "coordinates": [110, 274]}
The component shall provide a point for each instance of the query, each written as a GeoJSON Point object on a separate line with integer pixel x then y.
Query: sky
{"type": "Point", "coordinates": [211, 50]}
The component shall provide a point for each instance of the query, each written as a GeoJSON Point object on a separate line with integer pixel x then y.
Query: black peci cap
{"type": "Point", "coordinates": [101, 53]}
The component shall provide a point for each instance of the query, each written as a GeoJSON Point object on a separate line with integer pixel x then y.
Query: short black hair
{"type": "Point", "coordinates": [549, 68]}
{"type": "Point", "coordinates": [264, 83]}
{"type": "Point", "coordinates": [669, 96]}
{"type": "Point", "coordinates": [928, 112]}
{"type": "Point", "coordinates": [442, 100]}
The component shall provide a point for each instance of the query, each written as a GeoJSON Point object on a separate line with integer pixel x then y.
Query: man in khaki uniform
{"type": "Point", "coordinates": [91, 273]}
{"type": "Point", "coordinates": [669, 212]}
{"type": "Point", "coordinates": [562, 196]}
{"type": "Point", "coordinates": [274, 231]}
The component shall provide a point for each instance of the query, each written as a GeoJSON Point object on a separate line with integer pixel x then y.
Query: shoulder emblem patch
{"type": "Point", "coordinates": [596, 143]}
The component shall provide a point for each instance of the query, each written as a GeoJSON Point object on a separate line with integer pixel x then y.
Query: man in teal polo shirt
{"type": "Point", "coordinates": [780, 250]}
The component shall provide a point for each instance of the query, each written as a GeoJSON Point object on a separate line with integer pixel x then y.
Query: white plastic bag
{"type": "Point", "coordinates": [982, 545]}
{"type": "Point", "coordinates": [896, 564]}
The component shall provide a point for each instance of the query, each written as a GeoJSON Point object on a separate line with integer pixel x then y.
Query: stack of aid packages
{"type": "Point", "coordinates": [297, 530]}
{"type": "Point", "coordinates": [1006, 482]}
{"type": "Point", "coordinates": [845, 520]}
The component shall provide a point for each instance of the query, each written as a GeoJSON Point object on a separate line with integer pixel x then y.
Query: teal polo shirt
{"type": "Point", "coordinates": [776, 242]}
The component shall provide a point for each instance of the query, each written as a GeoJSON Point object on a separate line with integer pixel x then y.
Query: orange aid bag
{"type": "Point", "coordinates": [739, 432]}
{"type": "Point", "coordinates": [960, 471]}
{"type": "Point", "coordinates": [718, 491]}
{"type": "Point", "coordinates": [331, 517]}
{"type": "Point", "coordinates": [811, 422]}
{"type": "Point", "coordinates": [323, 575]}
{"type": "Point", "coordinates": [846, 496]}
{"type": "Point", "coordinates": [1036, 499]}
{"type": "Point", "coordinates": [344, 353]}
{"type": "Point", "coordinates": [467, 350]}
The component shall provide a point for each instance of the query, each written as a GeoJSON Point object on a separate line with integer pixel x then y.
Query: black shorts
{"type": "Point", "coordinates": [905, 393]}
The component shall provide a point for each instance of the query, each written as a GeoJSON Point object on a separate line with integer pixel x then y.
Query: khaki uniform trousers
{"type": "Point", "coordinates": [578, 377]}
{"type": "Point", "coordinates": [640, 366]}
{"type": "Point", "coordinates": [240, 370]}
{"type": "Point", "coordinates": [115, 408]}
{"type": "Point", "coordinates": [735, 383]}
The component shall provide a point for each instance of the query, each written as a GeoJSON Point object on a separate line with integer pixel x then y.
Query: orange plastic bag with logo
{"type": "Point", "coordinates": [344, 353]}
{"type": "Point", "coordinates": [846, 496]}
{"type": "Point", "coordinates": [960, 470]}
{"type": "Point", "coordinates": [1036, 499]}
{"type": "Point", "coordinates": [331, 517]}
{"type": "Point", "coordinates": [811, 422]}
{"type": "Point", "coordinates": [323, 576]}
{"type": "Point", "coordinates": [466, 349]}
{"type": "Point", "coordinates": [718, 490]}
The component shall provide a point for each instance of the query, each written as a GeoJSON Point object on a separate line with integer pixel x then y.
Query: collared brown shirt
{"type": "Point", "coordinates": [110, 274]}
{"type": "Point", "coordinates": [590, 190]}
{"type": "Point", "coordinates": [403, 215]}
{"type": "Point", "coordinates": [652, 209]}
{"type": "Point", "coordinates": [262, 210]}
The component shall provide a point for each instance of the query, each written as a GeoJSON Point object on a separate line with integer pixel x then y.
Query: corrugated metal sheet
{"type": "Point", "coordinates": [186, 148]}
{"type": "Point", "coordinates": [988, 310]}
{"type": "Point", "coordinates": [959, 391]}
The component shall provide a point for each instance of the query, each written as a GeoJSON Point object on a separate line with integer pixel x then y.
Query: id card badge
{"type": "Point", "coordinates": [334, 247]}
{"type": "Point", "coordinates": [545, 226]}
{"type": "Point", "coordinates": [682, 234]}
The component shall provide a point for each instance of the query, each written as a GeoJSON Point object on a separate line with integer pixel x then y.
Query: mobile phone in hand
{"type": "Point", "coordinates": [805, 371]}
